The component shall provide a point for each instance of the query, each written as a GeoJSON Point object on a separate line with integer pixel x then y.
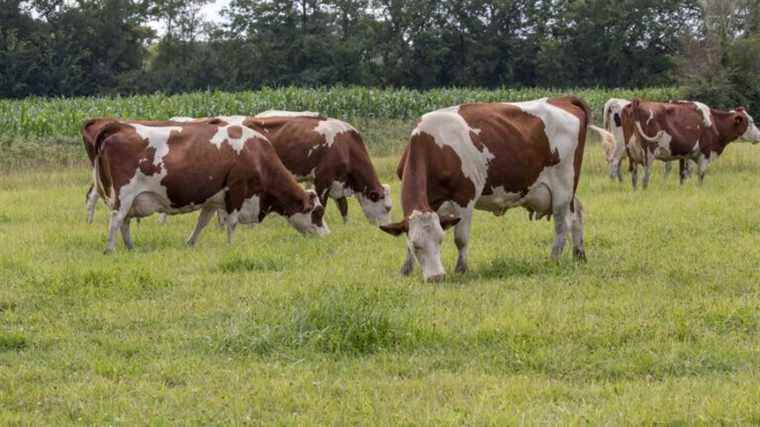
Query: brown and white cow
{"type": "Point", "coordinates": [491, 157]}
{"type": "Point", "coordinates": [174, 168]}
{"type": "Point", "coordinates": [681, 131]}
{"type": "Point", "coordinates": [328, 152]}
{"type": "Point", "coordinates": [614, 149]}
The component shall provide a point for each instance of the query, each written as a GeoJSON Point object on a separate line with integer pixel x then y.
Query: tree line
{"type": "Point", "coordinates": [108, 47]}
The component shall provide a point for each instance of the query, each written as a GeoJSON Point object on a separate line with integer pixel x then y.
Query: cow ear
{"type": "Point", "coordinates": [636, 103]}
{"type": "Point", "coordinates": [449, 222]}
{"type": "Point", "coordinates": [396, 229]}
{"type": "Point", "coordinates": [741, 110]}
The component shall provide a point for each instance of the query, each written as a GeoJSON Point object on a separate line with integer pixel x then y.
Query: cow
{"type": "Point", "coordinates": [327, 152]}
{"type": "Point", "coordinates": [493, 157]}
{"type": "Point", "coordinates": [175, 168]}
{"type": "Point", "coordinates": [614, 149]}
{"type": "Point", "coordinates": [681, 130]}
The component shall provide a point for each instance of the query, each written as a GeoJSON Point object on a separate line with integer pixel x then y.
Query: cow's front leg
{"type": "Point", "coordinates": [408, 266]}
{"type": "Point", "coordinates": [579, 251]}
{"type": "Point", "coordinates": [682, 171]}
{"type": "Point", "coordinates": [342, 203]}
{"type": "Point", "coordinates": [704, 162]}
{"type": "Point", "coordinates": [561, 225]}
{"type": "Point", "coordinates": [461, 239]}
{"type": "Point", "coordinates": [203, 219]}
{"type": "Point", "coordinates": [668, 169]}
{"type": "Point", "coordinates": [126, 233]}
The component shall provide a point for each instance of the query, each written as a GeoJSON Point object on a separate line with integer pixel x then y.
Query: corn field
{"type": "Point", "coordinates": [40, 117]}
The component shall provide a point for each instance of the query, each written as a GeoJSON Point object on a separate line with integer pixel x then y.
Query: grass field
{"type": "Point", "coordinates": [662, 325]}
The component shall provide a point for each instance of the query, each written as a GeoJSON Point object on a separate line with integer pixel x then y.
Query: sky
{"type": "Point", "coordinates": [212, 10]}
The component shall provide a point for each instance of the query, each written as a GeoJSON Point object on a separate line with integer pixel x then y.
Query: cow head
{"type": "Point", "coordinates": [743, 118]}
{"type": "Point", "coordinates": [424, 236]}
{"type": "Point", "coordinates": [376, 205]}
{"type": "Point", "coordinates": [309, 219]}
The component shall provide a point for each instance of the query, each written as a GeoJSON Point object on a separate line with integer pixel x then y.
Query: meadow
{"type": "Point", "coordinates": [661, 326]}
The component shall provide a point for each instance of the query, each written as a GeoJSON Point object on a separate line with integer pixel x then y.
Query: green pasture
{"type": "Point", "coordinates": [661, 326]}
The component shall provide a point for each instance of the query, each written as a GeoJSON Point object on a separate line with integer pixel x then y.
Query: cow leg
{"type": "Point", "coordinates": [343, 208]}
{"type": "Point", "coordinates": [704, 162]}
{"type": "Point", "coordinates": [232, 221]}
{"type": "Point", "coordinates": [126, 234]}
{"type": "Point", "coordinates": [221, 218]}
{"type": "Point", "coordinates": [561, 219]}
{"type": "Point", "coordinates": [634, 169]}
{"type": "Point", "coordinates": [647, 172]}
{"type": "Point", "coordinates": [668, 169]}
{"type": "Point", "coordinates": [682, 171]}
{"type": "Point", "coordinates": [408, 266]}
{"type": "Point", "coordinates": [91, 202]}
{"type": "Point", "coordinates": [203, 219]}
{"type": "Point", "coordinates": [579, 251]}
{"type": "Point", "coordinates": [461, 238]}
{"type": "Point", "coordinates": [162, 218]}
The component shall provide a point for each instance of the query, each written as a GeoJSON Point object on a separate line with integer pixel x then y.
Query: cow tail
{"type": "Point", "coordinates": [583, 132]}
{"type": "Point", "coordinates": [606, 118]}
{"type": "Point", "coordinates": [101, 165]}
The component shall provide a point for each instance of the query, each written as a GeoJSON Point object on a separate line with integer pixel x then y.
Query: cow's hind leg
{"type": "Point", "coordinates": [203, 219]}
{"type": "Point", "coordinates": [579, 251]}
{"type": "Point", "coordinates": [343, 208]}
{"type": "Point", "coordinates": [647, 173]}
{"type": "Point", "coordinates": [461, 239]}
{"type": "Point", "coordinates": [682, 171]}
{"type": "Point", "coordinates": [668, 169]}
{"type": "Point", "coordinates": [634, 169]}
{"type": "Point", "coordinates": [561, 226]}
{"type": "Point", "coordinates": [91, 202]}
{"type": "Point", "coordinates": [704, 162]}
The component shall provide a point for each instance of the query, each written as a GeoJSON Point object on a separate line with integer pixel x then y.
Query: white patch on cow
{"type": "Point", "coordinates": [499, 201]}
{"type": "Point", "coordinates": [378, 212]}
{"type": "Point", "coordinates": [222, 135]}
{"type": "Point", "coordinates": [424, 241]}
{"type": "Point", "coordinates": [706, 113]}
{"type": "Point", "coordinates": [250, 210]}
{"type": "Point", "coordinates": [753, 133]}
{"type": "Point", "coordinates": [331, 128]}
{"type": "Point", "coordinates": [339, 190]}
{"type": "Point", "coordinates": [233, 120]}
{"type": "Point", "coordinates": [651, 117]}
{"type": "Point", "coordinates": [279, 113]}
{"type": "Point", "coordinates": [302, 221]}
{"type": "Point", "coordinates": [182, 119]}
{"type": "Point", "coordinates": [148, 193]}
{"type": "Point", "coordinates": [158, 139]}
{"type": "Point", "coordinates": [448, 128]}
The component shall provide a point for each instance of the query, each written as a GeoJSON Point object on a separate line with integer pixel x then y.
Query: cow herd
{"type": "Point", "coordinates": [488, 156]}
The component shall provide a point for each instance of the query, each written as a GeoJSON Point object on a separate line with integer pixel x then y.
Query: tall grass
{"type": "Point", "coordinates": [40, 117]}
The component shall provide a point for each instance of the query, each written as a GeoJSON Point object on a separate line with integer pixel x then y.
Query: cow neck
{"type": "Point", "coordinates": [284, 195]}
{"type": "Point", "coordinates": [414, 189]}
{"type": "Point", "coordinates": [724, 122]}
{"type": "Point", "coordinates": [362, 176]}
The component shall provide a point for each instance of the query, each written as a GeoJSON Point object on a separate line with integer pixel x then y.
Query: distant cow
{"type": "Point", "coordinates": [615, 149]}
{"type": "Point", "coordinates": [327, 152]}
{"type": "Point", "coordinates": [491, 157]}
{"type": "Point", "coordinates": [173, 168]}
{"type": "Point", "coordinates": [681, 131]}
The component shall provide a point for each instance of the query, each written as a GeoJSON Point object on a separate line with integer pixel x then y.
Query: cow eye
{"type": "Point", "coordinates": [374, 196]}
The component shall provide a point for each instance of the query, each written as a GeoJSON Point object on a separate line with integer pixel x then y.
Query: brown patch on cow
{"type": "Point", "coordinates": [517, 140]}
{"type": "Point", "coordinates": [235, 132]}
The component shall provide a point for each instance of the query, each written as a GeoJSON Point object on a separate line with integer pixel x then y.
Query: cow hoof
{"type": "Point", "coordinates": [461, 269]}
{"type": "Point", "coordinates": [108, 251]}
{"type": "Point", "coordinates": [436, 279]}
{"type": "Point", "coordinates": [406, 270]}
{"type": "Point", "coordinates": [580, 255]}
{"type": "Point", "coordinates": [189, 243]}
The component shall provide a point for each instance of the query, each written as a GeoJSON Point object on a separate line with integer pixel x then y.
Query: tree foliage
{"type": "Point", "coordinates": [85, 47]}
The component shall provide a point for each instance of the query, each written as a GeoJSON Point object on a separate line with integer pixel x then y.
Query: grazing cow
{"type": "Point", "coordinates": [327, 152]}
{"type": "Point", "coordinates": [681, 131]}
{"type": "Point", "coordinates": [177, 168]}
{"type": "Point", "coordinates": [491, 157]}
{"type": "Point", "coordinates": [615, 149]}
